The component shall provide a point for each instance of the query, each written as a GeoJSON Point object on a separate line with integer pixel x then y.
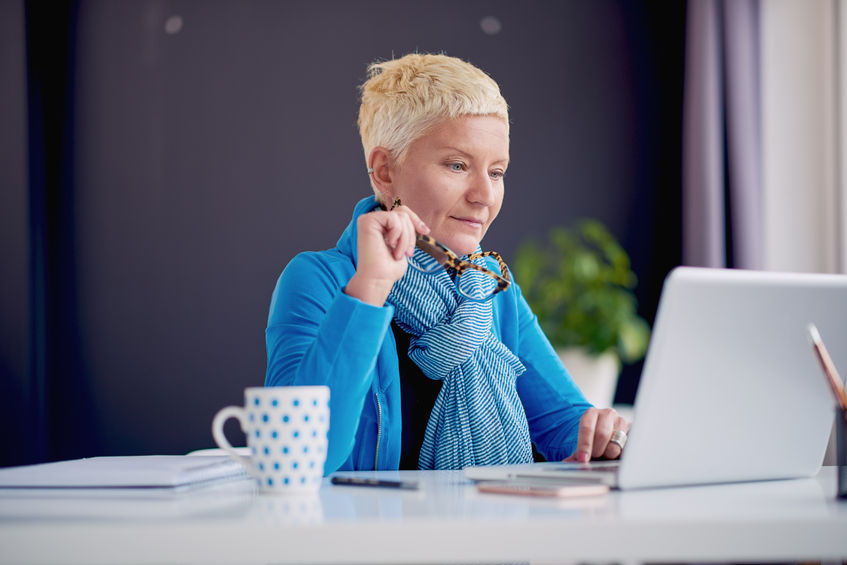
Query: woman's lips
{"type": "Point", "coordinates": [472, 222]}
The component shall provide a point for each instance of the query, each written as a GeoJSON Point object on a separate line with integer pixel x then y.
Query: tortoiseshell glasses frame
{"type": "Point", "coordinates": [447, 259]}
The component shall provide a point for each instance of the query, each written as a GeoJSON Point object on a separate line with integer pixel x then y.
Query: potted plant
{"type": "Point", "coordinates": [580, 285]}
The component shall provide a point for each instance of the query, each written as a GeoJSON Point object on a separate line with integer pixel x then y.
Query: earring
{"type": "Point", "coordinates": [370, 170]}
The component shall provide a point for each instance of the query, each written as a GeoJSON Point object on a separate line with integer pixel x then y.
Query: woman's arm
{"type": "Point", "coordinates": [562, 423]}
{"type": "Point", "coordinates": [552, 401]}
{"type": "Point", "coordinates": [317, 334]}
{"type": "Point", "coordinates": [328, 319]}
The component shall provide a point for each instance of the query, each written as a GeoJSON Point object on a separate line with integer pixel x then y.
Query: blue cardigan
{"type": "Point", "coordinates": [317, 334]}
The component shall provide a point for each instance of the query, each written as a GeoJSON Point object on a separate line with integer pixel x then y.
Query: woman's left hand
{"type": "Point", "coordinates": [595, 432]}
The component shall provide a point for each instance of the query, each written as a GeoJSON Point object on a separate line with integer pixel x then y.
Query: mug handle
{"type": "Point", "coordinates": [220, 418]}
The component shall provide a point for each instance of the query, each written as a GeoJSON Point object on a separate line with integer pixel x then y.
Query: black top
{"type": "Point", "coordinates": [417, 397]}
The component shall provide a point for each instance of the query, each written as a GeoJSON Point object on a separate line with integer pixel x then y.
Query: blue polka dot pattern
{"type": "Point", "coordinates": [287, 432]}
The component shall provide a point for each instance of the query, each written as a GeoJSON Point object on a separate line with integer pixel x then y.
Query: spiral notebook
{"type": "Point", "coordinates": [139, 472]}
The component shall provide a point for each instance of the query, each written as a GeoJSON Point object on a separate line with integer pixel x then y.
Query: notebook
{"type": "Point", "coordinates": [730, 390]}
{"type": "Point", "coordinates": [147, 471]}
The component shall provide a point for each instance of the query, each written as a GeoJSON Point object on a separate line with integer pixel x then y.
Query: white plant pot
{"type": "Point", "coordinates": [596, 376]}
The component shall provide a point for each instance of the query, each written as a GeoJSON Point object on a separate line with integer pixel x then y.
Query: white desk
{"type": "Point", "coordinates": [446, 521]}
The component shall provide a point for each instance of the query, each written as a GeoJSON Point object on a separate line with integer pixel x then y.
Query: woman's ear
{"type": "Point", "coordinates": [380, 165]}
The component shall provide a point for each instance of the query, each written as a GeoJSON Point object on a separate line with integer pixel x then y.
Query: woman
{"type": "Point", "coordinates": [422, 376]}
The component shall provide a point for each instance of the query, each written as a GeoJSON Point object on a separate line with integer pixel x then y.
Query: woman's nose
{"type": "Point", "coordinates": [481, 189]}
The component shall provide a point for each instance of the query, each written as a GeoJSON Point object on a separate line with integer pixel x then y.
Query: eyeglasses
{"type": "Point", "coordinates": [447, 259]}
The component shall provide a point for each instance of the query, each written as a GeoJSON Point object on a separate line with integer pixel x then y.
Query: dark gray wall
{"type": "Point", "coordinates": [205, 159]}
{"type": "Point", "coordinates": [14, 242]}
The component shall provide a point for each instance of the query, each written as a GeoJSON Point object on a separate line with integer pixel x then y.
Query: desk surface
{"type": "Point", "coordinates": [446, 521]}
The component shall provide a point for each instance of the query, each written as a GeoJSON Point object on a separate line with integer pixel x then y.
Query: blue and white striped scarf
{"type": "Point", "coordinates": [478, 418]}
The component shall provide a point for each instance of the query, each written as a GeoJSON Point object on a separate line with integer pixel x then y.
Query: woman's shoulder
{"type": "Point", "coordinates": [317, 269]}
{"type": "Point", "coordinates": [331, 257]}
{"type": "Point", "coordinates": [510, 306]}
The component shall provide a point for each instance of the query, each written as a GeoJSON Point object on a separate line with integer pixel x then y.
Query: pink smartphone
{"type": "Point", "coordinates": [537, 489]}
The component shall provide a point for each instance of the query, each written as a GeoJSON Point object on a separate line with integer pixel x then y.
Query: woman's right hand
{"type": "Point", "coordinates": [385, 240]}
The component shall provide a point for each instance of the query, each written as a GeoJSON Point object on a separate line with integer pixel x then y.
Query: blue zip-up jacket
{"type": "Point", "coordinates": [317, 334]}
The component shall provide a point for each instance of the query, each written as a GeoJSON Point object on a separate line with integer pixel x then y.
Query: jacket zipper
{"type": "Point", "coordinates": [378, 430]}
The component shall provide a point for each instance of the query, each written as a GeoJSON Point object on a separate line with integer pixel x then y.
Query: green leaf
{"type": "Point", "coordinates": [580, 284]}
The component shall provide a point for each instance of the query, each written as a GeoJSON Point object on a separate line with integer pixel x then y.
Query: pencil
{"type": "Point", "coordinates": [832, 376]}
{"type": "Point", "coordinates": [369, 482]}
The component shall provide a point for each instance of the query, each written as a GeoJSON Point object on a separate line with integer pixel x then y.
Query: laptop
{"type": "Point", "coordinates": [730, 390]}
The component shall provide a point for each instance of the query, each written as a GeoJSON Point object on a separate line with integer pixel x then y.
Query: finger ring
{"type": "Point", "coordinates": [619, 438]}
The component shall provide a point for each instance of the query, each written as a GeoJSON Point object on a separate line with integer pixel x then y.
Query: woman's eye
{"type": "Point", "coordinates": [497, 174]}
{"type": "Point", "coordinates": [456, 166]}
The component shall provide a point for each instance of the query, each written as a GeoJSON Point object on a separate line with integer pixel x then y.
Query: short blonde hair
{"type": "Point", "coordinates": [403, 98]}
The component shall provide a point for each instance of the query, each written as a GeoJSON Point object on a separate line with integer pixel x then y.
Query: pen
{"type": "Point", "coordinates": [835, 383]}
{"type": "Point", "coordinates": [368, 482]}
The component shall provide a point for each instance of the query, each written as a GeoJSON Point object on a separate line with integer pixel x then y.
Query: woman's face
{"type": "Point", "coordinates": [452, 178]}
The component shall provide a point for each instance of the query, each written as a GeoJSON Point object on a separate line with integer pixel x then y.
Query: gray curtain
{"type": "Point", "coordinates": [722, 212]}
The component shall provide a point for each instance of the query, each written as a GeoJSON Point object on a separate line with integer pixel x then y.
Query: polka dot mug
{"type": "Point", "coordinates": [287, 433]}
